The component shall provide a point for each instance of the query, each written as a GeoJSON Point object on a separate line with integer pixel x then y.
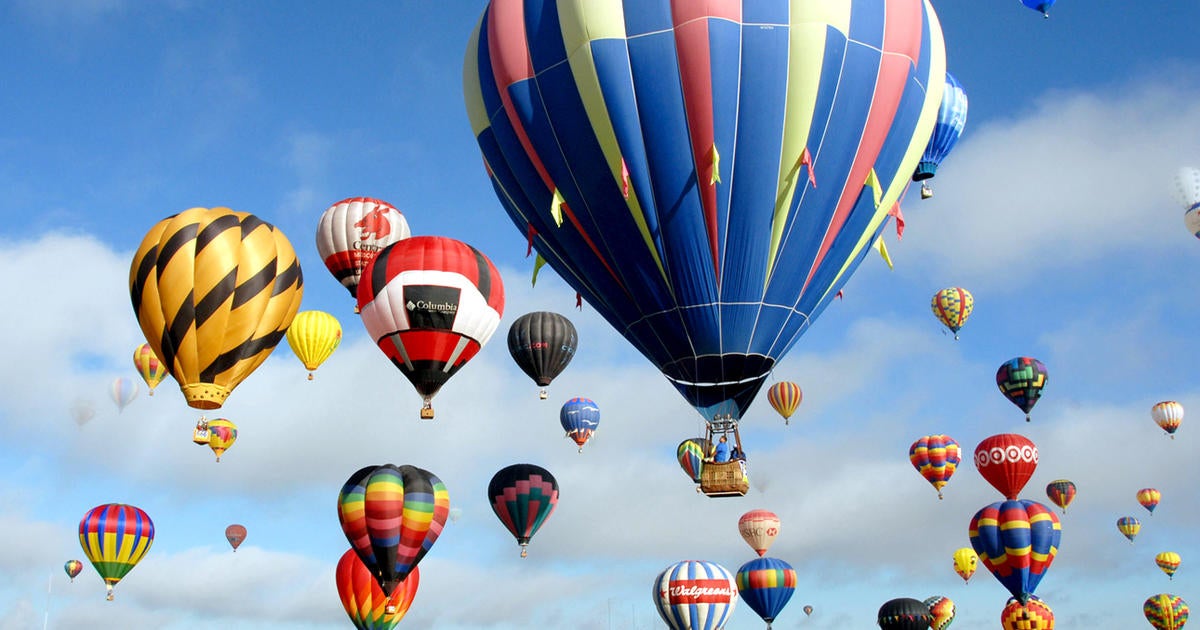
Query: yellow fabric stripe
{"type": "Point", "coordinates": [472, 93]}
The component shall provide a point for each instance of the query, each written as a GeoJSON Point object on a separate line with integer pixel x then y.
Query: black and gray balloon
{"type": "Point", "coordinates": [542, 343]}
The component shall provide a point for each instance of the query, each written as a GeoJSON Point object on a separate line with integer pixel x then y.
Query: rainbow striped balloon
{"type": "Point", "coordinates": [785, 397]}
{"type": "Point", "coordinates": [1166, 611]}
{"type": "Point", "coordinates": [936, 457]}
{"type": "Point", "coordinates": [363, 599]}
{"type": "Point", "coordinates": [766, 585]}
{"type": "Point", "coordinates": [152, 370]}
{"type": "Point", "coordinates": [115, 537]}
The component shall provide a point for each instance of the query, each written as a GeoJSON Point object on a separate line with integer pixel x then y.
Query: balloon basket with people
{"type": "Point", "coordinates": [724, 471]}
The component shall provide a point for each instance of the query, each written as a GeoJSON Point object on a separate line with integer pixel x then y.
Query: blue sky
{"type": "Point", "coordinates": [1054, 210]}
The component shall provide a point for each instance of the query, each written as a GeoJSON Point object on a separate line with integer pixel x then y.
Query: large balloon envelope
{"type": "Point", "coordinates": [1021, 381]}
{"type": "Point", "coordinates": [1168, 415]}
{"type": "Point", "coordinates": [313, 336]}
{"type": "Point", "coordinates": [942, 611]}
{"type": "Point", "coordinates": [352, 231]}
{"type": "Point", "coordinates": [1017, 541]}
{"type": "Point", "coordinates": [152, 370]}
{"type": "Point", "coordinates": [523, 496]}
{"type": "Point", "coordinates": [542, 343]}
{"type": "Point", "coordinates": [952, 307]}
{"type": "Point", "coordinates": [1166, 611]}
{"type": "Point", "coordinates": [695, 595]}
{"type": "Point", "coordinates": [579, 417]}
{"type": "Point", "coordinates": [392, 515]}
{"type": "Point", "coordinates": [759, 529]}
{"type": "Point", "coordinates": [706, 175]}
{"type": "Point", "coordinates": [430, 303]}
{"type": "Point", "coordinates": [1030, 615]}
{"type": "Point", "coordinates": [365, 603]}
{"type": "Point", "coordinates": [904, 613]}
{"type": "Point", "coordinates": [766, 585]}
{"type": "Point", "coordinates": [936, 457]}
{"type": "Point", "coordinates": [784, 397]}
{"type": "Point", "coordinates": [1007, 461]}
{"type": "Point", "coordinates": [235, 534]}
{"type": "Point", "coordinates": [115, 537]}
{"type": "Point", "coordinates": [214, 290]}
{"type": "Point", "coordinates": [951, 118]}
{"type": "Point", "coordinates": [1061, 492]}
{"type": "Point", "coordinates": [1187, 191]}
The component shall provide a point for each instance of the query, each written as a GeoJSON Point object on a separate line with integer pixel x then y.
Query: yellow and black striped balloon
{"type": "Point", "coordinates": [214, 291]}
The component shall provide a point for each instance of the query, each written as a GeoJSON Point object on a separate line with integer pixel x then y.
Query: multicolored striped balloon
{"type": "Point", "coordinates": [364, 601]}
{"type": "Point", "coordinates": [72, 567]}
{"type": "Point", "coordinates": [936, 457]}
{"type": "Point", "coordinates": [690, 455]}
{"type": "Point", "coordinates": [430, 303]}
{"type": "Point", "coordinates": [1149, 498]}
{"type": "Point", "coordinates": [766, 585]}
{"type": "Point", "coordinates": [115, 537]}
{"type": "Point", "coordinates": [213, 291]}
{"type": "Point", "coordinates": [1166, 611]}
{"type": "Point", "coordinates": [759, 529]}
{"type": "Point", "coordinates": [579, 417]}
{"type": "Point", "coordinates": [1021, 381]}
{"type": "Point", "coordinates": [1033, 614]}
{"type": "Point", "coordinates": [785, 397]}
{"type": "Point", "coordinates": [1168, 561]}
{"type": "Point", "coordinates": [695, 595]}
{"type": "Point", "coordinates": [1129, 527]}
{"type": "Point", "coordinates": [392, 515]}
{"type": "Point", "coordinates": [1061, 492]}
{"type": "Point", "coordinates": [523, 496]}
{"type": "Point", "coordinates": [943, 611]}
{"type": "Point", "coordinates": [664, 157]}
{"type": "Point", "coordinates": [122, 391]}
{"type": "Point", "coordinates": [222, 434]}
{"type": "Point", "coordinates": [152, 370]}
{"type": "Point", "coordinates": [1017, 541]}
{"type": "Point", "coordinates": [952, 307]}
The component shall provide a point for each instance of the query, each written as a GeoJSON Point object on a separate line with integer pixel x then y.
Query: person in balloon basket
{"type": "Point", "coordinates": [721, 453]}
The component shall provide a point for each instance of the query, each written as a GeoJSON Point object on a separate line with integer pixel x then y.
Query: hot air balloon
{"type": "Point", "coordinates": [612, 168]}
{"type": "Point", "coordinates": [115, 537]}
{"type": "Point", "coordinates": [313, 336]}
{"type": "Point", "coordinates": [965, 562]}
{"type": "Point", "coordinates": [1021, 381]}
{"type": "Point", "coordinates": [1041, 6]}
{"type": "Point", "coordinates": [695, 595]}
{"type": "Point", "coordinates": [784, 397]}
{"type": "Point", "coordinates": [936, 457]}
{"type": "Point", "coordinates": [1017, 541]}
{"type": "Point", "coordinates": [152, 370]}
{"type": "Point", "coordinates": [1149, 498]}
{"type": "Point", "coordinates": [691, 459]}
{"type": "Point", "coordinates": [392, 515]}
{"type": "Point", "coordinates": [808, 610]}
{"type": "Point", "coordinates": [1168, 415]}
{"type": "Point", "coordinates": [235, 534]}
{"type": "Point", "coordinates": [352, 231]}
{"type": "Point", "coordinates": [1166, 612]}
{"type": "Point", "coordinates": [1168, 561]}
{"type": "Point", "coordinates": [221, 435]}
{"type": "Point", "coordinates": [943, 611]}
{"type": "Point", "coordinates": [82, 411]}
{"type": "Point", "coordinates": [542, 343]}
{"type": "Point", "coordinates": [365, 603]}
{"type": "Point", "coordinates": [1007, 461]}
{"type": "Point", "coordinates": [430, 303]}
{"type": "Point", "coordinates": [1031, 615]}
{"type": "Point", "coordinates": [951, 118]}
{"type": "Point", "coordinates": [952, 307]}
{"type": "Point", "coordinates": [1187, 192]}
{"type": "Point", "coordinates": [455, 514]}
{"type": "Point", "coordinates": [766, 585]}
{"type": "Point", "coordinates": [904, 613]}
{"type": "Point", "coordinates": [214, 290]}
{"type": "Point", "coordinates": [72, 567]}
{"type": "Point", "coordinates": [122, 391]}
{"type": "Point", "coordinates": [523, 496]}
{"type": "Point", "coordinates": [1061, 492]}
{"type": "Point", "coordinates": [579, 418]}
{"type": "Point", "coordinates": [759, 529]}
{"type": "Point", "coordinates": [1129, 526]}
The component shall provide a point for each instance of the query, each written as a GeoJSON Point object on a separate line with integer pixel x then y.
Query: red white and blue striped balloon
{"type": "Point", "coordinates": [695, 595]}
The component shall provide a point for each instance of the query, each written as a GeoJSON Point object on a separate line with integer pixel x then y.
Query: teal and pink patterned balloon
{"type": "Point", "coordinates": [766, 585]}
{"type": "Point", "coordinates": [523, 496]}
{"type": "Point", "coordinates": [392, 515]}
{"type": "Point", "coordinates": [1166, 611]}
{"type": "Point", "coordinates": [1017, 541]}
{"type": "Point", "coordinates": [695, 595]}
{"type": "Point", "coordinates": [936, 457]}
{"type": "Point", "coordinates": [1021, 381]}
